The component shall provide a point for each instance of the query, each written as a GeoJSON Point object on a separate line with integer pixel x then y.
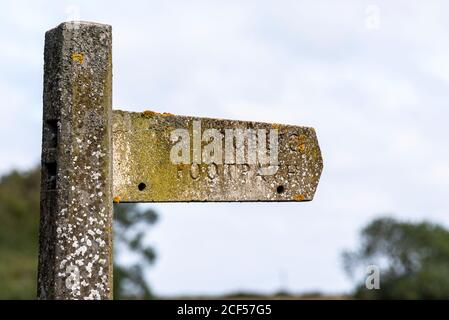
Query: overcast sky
{"type": "Point", "coordinates": [371, 77]}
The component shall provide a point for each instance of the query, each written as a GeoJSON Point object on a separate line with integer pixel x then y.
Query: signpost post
{"type": "Point", "coordinates": [92, 156]}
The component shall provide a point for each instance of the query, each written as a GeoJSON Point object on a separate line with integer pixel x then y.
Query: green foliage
{"type": "Point", "coordinates": [19, 220]}
{"type": "Point", "coordinates": [414, 260]}
{"type": "Point", "coordinates": [19, 225]}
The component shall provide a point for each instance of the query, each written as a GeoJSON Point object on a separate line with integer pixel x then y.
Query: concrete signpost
{"type": "Point", "coordinates": [93, 156]}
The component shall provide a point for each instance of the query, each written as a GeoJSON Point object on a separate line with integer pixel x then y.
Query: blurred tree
{"type": "Point", "coordinates": [413, 259]}
{"type": "Point", "coordinates": [19, 225]}
{"type": "Point", "coordinates": [130, 226]}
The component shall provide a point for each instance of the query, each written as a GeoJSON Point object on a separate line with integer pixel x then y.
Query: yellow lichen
{"type": "Point", "coordinates": [78, 57]}
{"type": "Point", "coordinates": [117, 199]}
{"type": "Point", "coordinates": [149, 113]}
{"type": "Point", "coordinates": [302, 147]}
{"type": "Point", "coordinates": [167, 114]}
{"type": "Point", "coordinates": [298, 197]}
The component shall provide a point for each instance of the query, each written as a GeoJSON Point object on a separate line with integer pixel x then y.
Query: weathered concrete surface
{"type": "Point", "coordinates": [144, 172]}
{"type": "Point", "coordinates": [75, 259]}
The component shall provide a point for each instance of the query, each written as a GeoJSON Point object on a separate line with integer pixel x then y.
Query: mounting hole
{"type": "Point", "coordinates": [280, 189]}
{"type": "Point", "coordinates": [141, 186]}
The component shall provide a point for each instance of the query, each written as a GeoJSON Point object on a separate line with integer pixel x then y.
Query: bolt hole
{"type": "Point", "coordinates": [280, 189]}
{"type": "Point", "coordinates": [141, 186]}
